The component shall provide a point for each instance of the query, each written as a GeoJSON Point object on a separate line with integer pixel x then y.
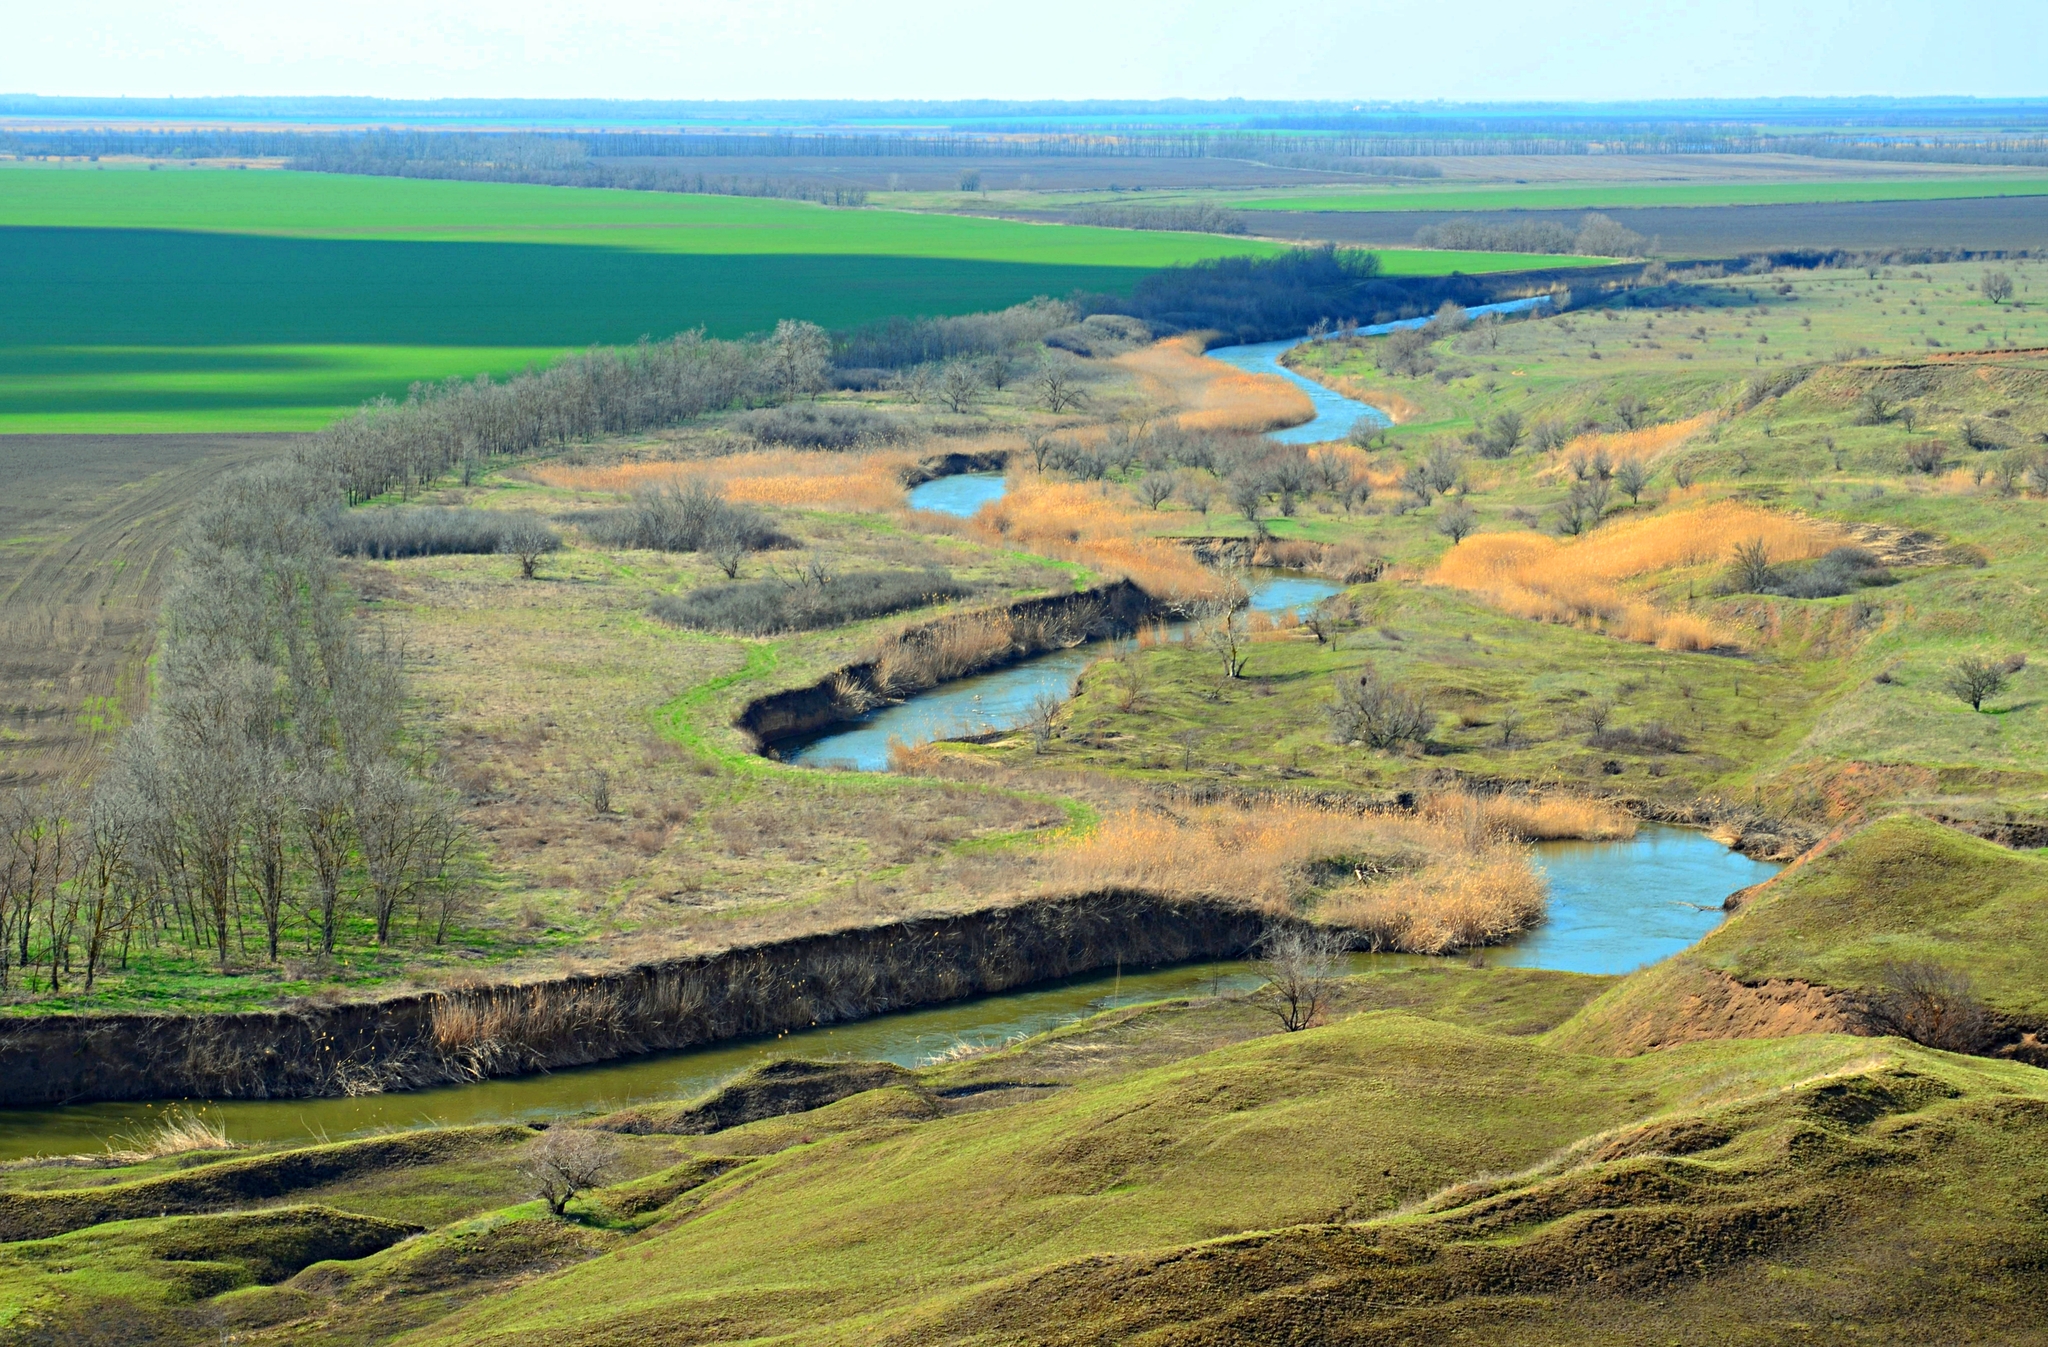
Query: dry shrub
{"type": "Point", "coordinates": [1528, 818]}
{"type": "Point", "coordinates": [1210, 395]}
{"type": "Point", "coordinates": [912, 759]}
{"type": "Point", "coordinates": [1539, 577]}
{"type": "Point", "coordinates": [176, 1133]}
{"type": "Point", "coordinates": [786, 477]}
{"type": "Point", "coordinates": [1405, 883]}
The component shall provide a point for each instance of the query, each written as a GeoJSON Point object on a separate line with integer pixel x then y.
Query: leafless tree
{"type": "Point", "coordinates": [1372, 711]}
{"type": "Point", "coordinates": [1997, 286]}
{"type": "Point", "coordinates": [1301, 966]}
{"type": "Point", "coordinates": [1058, 383]}
{"type": "Point", "coordinates": [1156, 488]}
{"type": "Point", "coordinates": [961, 383]}
{"type": "Point", "coordinates": [799, 354]}
{"type": "Point", "coordinates": [1042, 719]}
{"type": "Point", "coordinates": [1929, 1004]}
{"type": "Point", "coordinates": [1456, 522]}
{"type": "Point", "coordinates": [565, 1161]}
{"type": "Point", "coordinates": [1633, 478]}
{"type": "Point", "coordinates": [1975, 680]}
{"type": "Point", "coordinates": [527, 537]}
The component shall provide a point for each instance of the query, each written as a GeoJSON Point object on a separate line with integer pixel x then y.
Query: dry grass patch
{"type": "Point", "coordinates": [1423, 885]}
{"type": "Point", "coordinates": [1210, 395]}
{"type": "Point", "coordinates": [1096, 526]}
{"type": "Point", "coordinates": [1576, 583]}
{"type": "Point", "coordinates": [786, 477]}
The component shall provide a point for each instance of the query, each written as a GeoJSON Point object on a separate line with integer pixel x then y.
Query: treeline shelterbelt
{"type": "Point", "coordinates": [588, 158]}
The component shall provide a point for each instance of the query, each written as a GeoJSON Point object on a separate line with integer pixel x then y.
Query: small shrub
{"type": "Point", "coordinates": [1301, 968]}
{"type": "Point", "coordinates": [566, 1161]}
{"type": "Point", "coordinates": [1370, 710]}
{"type": "Point", "coordinates": [526, 537]}
{"type": "Point", "coordinates": [1842, 571]}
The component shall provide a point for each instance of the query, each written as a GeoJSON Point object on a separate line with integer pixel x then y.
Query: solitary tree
{"type": "Point", "coordinates": [566, 1161]}
{"type": "Point", "coordinates": [960, 383]}
{"type": "Point", "coordinates": [1974, 680]}
{"type": "Point", "coordinates": [529, 539]}
{"type": "Point", "coordinates": [1997, 286]}
{"type": "Point", "coordinates": [1300, 966]}
{"type": "Point", "coordinates": [1457, 522]}
{"type": "Point", "coordinates": [1059, 385]}
{"type": "Point", "coordinates": [1156, 488]}
{"type": "Point", "coordinates": [1633, 478]}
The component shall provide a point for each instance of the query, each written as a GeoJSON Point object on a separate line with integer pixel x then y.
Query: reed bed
{"type": "Point", "coordinates": [1576, 583]}
{"type": "Point", "coordinates": [1103, 530]}
{"type": "Point", "coordinates": [786, 477]}
{"type": "Point", "coordinates": [1528, 818]}
{"type": "Point", "coordinates": [1210, 395]}
{"type": "Point", "coordinates": [1642, 445]}
{"type": "Point", "coordinates": [1401, 882]}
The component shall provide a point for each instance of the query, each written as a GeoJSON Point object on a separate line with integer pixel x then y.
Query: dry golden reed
{"type": "Point", "coordinates": [1210, 395]}
{"type": "Point", "coordinates": [1409, 883]}
{"type": "Point", "coordinates": [1528, 818]}
{"type": "Point", "coordinates": [1534, 576]}
{"type": "Point", "coordinates": [1101, 529]}
{"type": "Point", "coordinates": [1642, 445]}
{"type": "Point", "coordinates": [787, 477]}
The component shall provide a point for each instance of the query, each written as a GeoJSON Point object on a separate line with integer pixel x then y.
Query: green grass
{"type": "Point", "coordinates": [215, 300]}
{"type": "Point", "coordinates": [1622, 195]}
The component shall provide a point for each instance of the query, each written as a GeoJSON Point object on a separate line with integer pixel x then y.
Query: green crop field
{"type": "Point", "coordinates": [212, 300]}
{"type": "Point", "coordinates": [191, 299]}
{"type": "Point", "coordinates": [1595, 196]}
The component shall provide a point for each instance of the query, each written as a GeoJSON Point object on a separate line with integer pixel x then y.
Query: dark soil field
{"type": "Point", "coordinates": [85, 527]}
{"type": "Point", "coordinates": [1988, 224]}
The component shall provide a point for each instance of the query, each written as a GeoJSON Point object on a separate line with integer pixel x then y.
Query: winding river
{"type": "Point", "coordinates": [1615, 906]}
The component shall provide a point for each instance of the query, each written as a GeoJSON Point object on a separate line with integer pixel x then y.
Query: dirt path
{"type": "Point", "coordinates": [85, 529]}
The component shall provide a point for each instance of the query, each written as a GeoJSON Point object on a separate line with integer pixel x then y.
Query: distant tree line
{"type": "Point", "coordinates": [1596, 236]}
{"type": "Point", "coordinates": [455, 426]}
{"type": "Point", "coordinates": [1195, 218]}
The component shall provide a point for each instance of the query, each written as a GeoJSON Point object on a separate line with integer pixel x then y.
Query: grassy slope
{"type": "Point", "coordinates": [1621, 194]}
{"type": "Point", "coordinates": [1063, 1210]}
{"type": "Point", "coordinates": [1902, 890]}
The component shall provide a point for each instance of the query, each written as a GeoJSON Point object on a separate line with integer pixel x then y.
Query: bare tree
{"type": "Point", "coordinates": [799, 354]}
{"type": "Point", "coordinates": [1301, 966]}
{"type": "Point", "coordinates": [1042, 719]}
{"type": "Point", "coordinates": [1248, 497]}
{"type": "Point", "coordinates": [1456, 522]}
{"type": "Point", "coordinates": [961, 382]}
{"type": "Point", "coordinates": [1997, 286]}
{"type": "Point", "coordinates": [1156, 488]}
{"type": "Point", "coordinates": [1975, 680]}
{"type": "Point", "coordinates": [1371, 711]}
{"type": "Point", "coordinates": [1221, 625]}
{"type": "Point", "coordinates": [1197, 492]}
{"type": "Point", "coordinates": [1633, 478]}
{"type": "Point", "coordinates": [527, 537]}
{"type": "Point", "coordinates": [1058, 382]}
{"type": "Point", "coordinates": [1929, 1004]}
{"type": "Point", "coordinates": [565, 1161]}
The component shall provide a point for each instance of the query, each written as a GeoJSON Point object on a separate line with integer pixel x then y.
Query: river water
{"type": "Point", "coordinates": [1002, 700]}
{"type": "Point", "coordinates": [1615, 906]}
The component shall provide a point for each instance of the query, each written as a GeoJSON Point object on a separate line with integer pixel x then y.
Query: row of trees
{"type": "Point", "coordinates": [267, 794]}
{"type": "Point", "coordinates": [441, 428]}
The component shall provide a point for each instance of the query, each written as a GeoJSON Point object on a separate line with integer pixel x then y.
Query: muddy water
{"type": "Point", "coordinates": [1615, 906]}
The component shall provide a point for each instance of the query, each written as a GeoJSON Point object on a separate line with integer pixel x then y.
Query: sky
{"type": "Point", "coordinates": [712, 49]}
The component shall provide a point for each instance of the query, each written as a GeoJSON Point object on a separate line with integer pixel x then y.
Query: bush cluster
{"type": "Point", "coordinates": [765, 607]}
{"type": "Point", "coordinates": [813, 425]}
{"type": "Point", "coordinates": [686, 519]}
{"type": "Point", "coordinates": [385, 535]}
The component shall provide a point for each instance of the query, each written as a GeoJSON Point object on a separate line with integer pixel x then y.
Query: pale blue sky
{"type": "Point", "coordinates": [1398, 49]}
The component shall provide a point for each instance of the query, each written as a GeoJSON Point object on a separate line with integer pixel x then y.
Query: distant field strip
{"type": "Point", "coordinates": [1623, 195]}
{"type": "Point", "coordinates": [213, 300]}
